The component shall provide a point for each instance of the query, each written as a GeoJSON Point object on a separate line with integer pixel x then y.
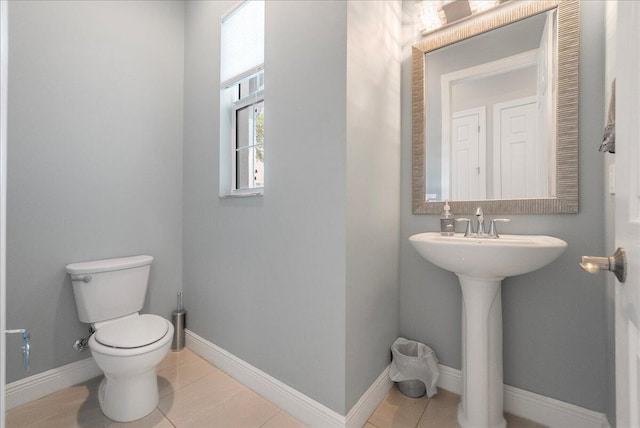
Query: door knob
{"type": "Point", "coordinates": [616, 264]}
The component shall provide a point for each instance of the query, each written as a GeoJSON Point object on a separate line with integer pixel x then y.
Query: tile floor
{"type": "Point", "coordinates": [195, 394]}
{"type": "Point", "coordinates": [399, 411]}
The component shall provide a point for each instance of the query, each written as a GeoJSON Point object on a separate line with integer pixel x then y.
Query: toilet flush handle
{"type": "Point", "coordinates": [86, 279]}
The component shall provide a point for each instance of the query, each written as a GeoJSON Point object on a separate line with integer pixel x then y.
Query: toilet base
{"type": "Point", "coordinates": [129, 398]}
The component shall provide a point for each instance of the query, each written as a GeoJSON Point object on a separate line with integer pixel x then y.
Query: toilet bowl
{"type": "Point", "coordinates": [128, 350]}
{"type": "Point", "coordinates": [126, 345]}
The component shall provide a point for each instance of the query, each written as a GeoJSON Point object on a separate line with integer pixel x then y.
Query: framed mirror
{"type": "Point", "coordinates": [495, 112]}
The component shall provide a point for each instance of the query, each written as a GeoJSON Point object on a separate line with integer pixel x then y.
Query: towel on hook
{"type": "Point", "coordinates": [609, 139]}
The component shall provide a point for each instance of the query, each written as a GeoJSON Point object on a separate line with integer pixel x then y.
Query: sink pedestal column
{"type": "Point", "coordinates": [482, 389]}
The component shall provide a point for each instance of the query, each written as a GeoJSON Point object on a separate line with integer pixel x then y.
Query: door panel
{"type": "Point", "coordinates": [515, 149]}
{"type": "Point", "coordinates": [468, 155]}
{"type": "Point", "coordinates": [627, 219]}
{"type": "Point", "coordinates": [3, 199]}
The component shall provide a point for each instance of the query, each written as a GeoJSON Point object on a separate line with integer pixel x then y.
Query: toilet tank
{"type": "Point", "coordinates": [112, 288]}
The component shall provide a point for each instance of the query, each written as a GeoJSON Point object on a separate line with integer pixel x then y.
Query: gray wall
{"type": "Point", "coordinates": [95, 158]}
{"type": "Point", "coordinates": [96, 170]}
{"type": "Point", "coordinates": [373, 189]}
{"type": "Point", "coordinates": [302, 282]}
{"type": "Point", "coordinates": [555, 319]}
{"type": "Point", "coordinates": [264, 277]}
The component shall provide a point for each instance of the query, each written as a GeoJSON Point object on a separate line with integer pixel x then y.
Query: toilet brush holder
{"type": "Point", "coordinates": [178, 321]}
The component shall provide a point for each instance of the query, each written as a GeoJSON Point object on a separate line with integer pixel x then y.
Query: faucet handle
{"type": "Point", "coordinates": [480, 216]}
{"type": "Point", "coordinates": [493, 231]}
{"type": "Point", "coordinates": [469, 229]}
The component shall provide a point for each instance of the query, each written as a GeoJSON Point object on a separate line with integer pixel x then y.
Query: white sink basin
{"type": "Point", "coordinates": [481, 265]}
{"type": "Point", "coordinates": [488, 258]}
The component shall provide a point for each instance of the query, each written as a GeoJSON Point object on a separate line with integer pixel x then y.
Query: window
{"type": "Point", "coordinates": [242, 100]}
{"type": "Point", "coordinates": [248, 126]}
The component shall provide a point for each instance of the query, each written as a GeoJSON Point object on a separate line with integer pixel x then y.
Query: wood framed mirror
{"type": "Point", "coordinates": [474, 91]}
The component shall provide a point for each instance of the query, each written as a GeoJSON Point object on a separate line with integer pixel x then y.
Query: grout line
{"type": "Point", "coordinates": [197, 360]}
{"type": "Point", "coordinates": [267, 421]}
{"type": "Point", "coordinates": [423, 412]}
{"type": "Point", "coordinates": [165, 416]}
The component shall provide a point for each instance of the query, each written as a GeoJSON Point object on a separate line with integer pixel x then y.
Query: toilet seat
{"type": "Point", "coordinates": [132, 332]}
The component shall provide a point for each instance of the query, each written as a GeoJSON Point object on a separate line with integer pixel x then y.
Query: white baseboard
{"type": "Point", "coordinates": [450, 379]}
{"type": "Point", "coordinates": [538, 408]}
{"type": "Point", "coordinates": [370, 400]}
{"type": "Point", "coordinates": [297, 404]}
{"type": "Point", "coordinates": [535, 407]}
{"type": "Point", "coordinates": [549, 411]}
{"type": "Point", "coordinates": [42, 384]}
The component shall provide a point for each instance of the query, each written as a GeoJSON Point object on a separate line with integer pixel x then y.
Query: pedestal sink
{"type": "Point", "coordinates": [481, 264]}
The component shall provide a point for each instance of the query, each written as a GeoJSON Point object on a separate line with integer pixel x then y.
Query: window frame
{"type": "Point", "coordinates": [250, 100]}
{"type": "Point", "coordinates": [230, 104]}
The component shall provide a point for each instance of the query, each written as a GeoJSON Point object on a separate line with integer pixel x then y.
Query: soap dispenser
{"type": "Point", "coordinates": [447, 221]}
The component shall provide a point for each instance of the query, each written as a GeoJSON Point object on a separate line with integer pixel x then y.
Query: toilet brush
{"type": "Point", "coordinates": [178, 320]}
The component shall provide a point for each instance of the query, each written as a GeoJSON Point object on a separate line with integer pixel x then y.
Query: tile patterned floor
{"type": "Point", "coordinates": [399, 411]}
{"type": "Point", "coordinates": [195, 394]}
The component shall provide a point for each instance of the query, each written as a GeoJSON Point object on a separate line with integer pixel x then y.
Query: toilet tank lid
{"type": "Point", "coordinates": [108, 264]}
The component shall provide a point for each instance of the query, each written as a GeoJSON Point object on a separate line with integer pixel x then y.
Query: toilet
{"type": "Point", "coordinates": [126, 345]}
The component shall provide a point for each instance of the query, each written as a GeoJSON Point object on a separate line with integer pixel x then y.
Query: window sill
{"type": "Point", "coordinates": [258, 192]}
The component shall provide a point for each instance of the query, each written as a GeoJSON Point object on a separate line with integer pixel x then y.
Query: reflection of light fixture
{"type": "Point", "coordinates": [456, 10]}
{"type": "Point", "coordinates": [478, 6]}
{"type": "Point", "coordinates": [429, 13]}
{"type": "Point", "coordinates": [435, 14]}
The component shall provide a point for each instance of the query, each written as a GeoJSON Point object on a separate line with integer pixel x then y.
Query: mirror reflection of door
{"type": "Point", "coordinates": [485, 88]}
{"type": "Point", "coordinates": [469, 75]}
{"type": "Point", "coordinates": [468, 154]}
{"type": "Point", "coordinates": [516, 150]}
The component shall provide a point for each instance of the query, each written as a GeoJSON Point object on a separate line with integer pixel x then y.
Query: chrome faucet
{"type": "Point", "coordinates": [493, 230]}
{"type": "Point", "coordinates": [480, 217]}
{"type": "Point", "coordinates": [480, 230]}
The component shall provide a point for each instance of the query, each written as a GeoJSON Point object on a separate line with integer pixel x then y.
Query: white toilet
{"type": "Point", "coordinates": [127, 346]}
